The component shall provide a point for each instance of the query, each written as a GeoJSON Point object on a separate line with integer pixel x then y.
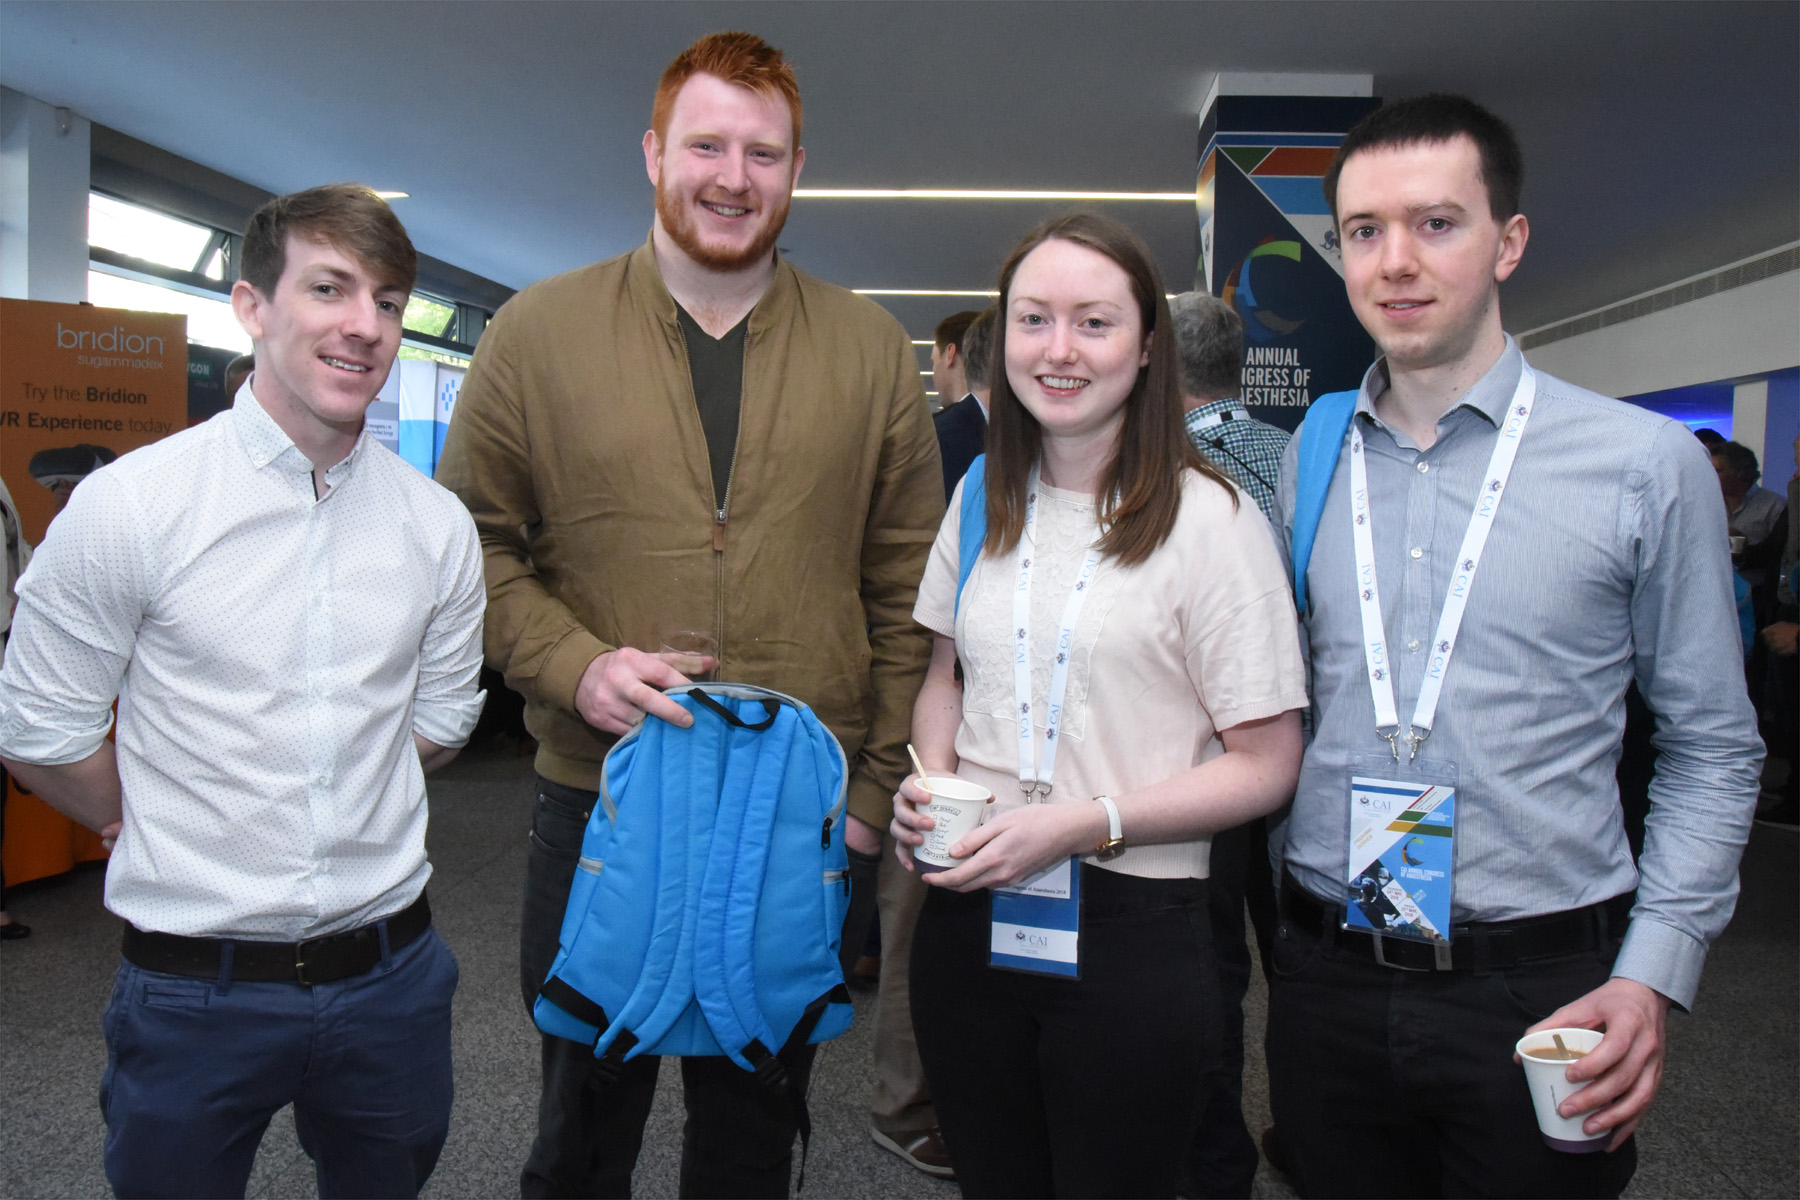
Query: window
{"type": "Point", "coordinates": [144, 234]}
{"type": "Point", "coordinates": [431, 316]}
{"type": "Point", "coordinates": [210, 320]}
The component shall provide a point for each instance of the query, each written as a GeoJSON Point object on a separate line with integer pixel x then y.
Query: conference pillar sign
{"type": "Point", "coordinates": [79, 386]}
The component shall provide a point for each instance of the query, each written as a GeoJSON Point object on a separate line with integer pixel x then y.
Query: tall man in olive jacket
{"type": "Point", "coordinates": [694, 436]}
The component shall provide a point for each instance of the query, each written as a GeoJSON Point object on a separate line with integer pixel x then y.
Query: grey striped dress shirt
{"type": "Point", "coordinates": [1607, 561]}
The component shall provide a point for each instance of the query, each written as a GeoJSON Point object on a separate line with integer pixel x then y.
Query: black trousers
{"type": "Point", "coordinates": [739, 1136]}
{"type": "Point", "coordinates": [1400, 1083]}
{"type": "Point", "coordinates": [1054, 1087]}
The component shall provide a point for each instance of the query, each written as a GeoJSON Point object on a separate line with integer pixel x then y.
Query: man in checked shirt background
{"type": "Point", "coordinates": [1209, 340]}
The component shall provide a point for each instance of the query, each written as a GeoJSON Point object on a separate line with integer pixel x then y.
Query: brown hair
{"type": "Point", "coordinates": [1140, 491]}
{"type": "Point", "coordinates": [348, 216]}
{"type": "Point", "coordinates": [740, 58]}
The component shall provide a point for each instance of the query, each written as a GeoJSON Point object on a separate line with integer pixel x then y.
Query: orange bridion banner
{"type": "Point", "coordinates": [79, 386]}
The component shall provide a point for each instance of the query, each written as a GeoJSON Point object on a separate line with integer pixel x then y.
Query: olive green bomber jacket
{"type": "Point", "coordinates": [577, 446]}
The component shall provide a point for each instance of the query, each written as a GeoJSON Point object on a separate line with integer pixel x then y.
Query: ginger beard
{"type": "Point", "coordinates": [678, 222]}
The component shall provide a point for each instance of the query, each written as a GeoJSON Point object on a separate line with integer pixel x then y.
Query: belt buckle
{"type": "Point", "coordinates": [1440, 957]}
{"type": "Point", "coordinates": [300, 962]}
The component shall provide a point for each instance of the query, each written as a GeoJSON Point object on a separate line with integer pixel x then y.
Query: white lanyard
{"type": "Point", "coordinates": [1456, 599]}
{"type": "Point", "coordinates": [1219, 418]}
{"type": "Point", "coordinates": [1035, 778]}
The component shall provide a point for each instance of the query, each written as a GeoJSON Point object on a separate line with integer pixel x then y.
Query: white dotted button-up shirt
{"type": "Point", "coordinates": [272, 655]}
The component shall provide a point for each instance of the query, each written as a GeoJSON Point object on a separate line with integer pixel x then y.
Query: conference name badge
{"type": "Point", "coordinates": [1402, 852]}
{"type": "Point", "coordinates": [1036, 925]}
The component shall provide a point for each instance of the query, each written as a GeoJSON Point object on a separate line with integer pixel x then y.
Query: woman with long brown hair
{"type": "Point", "coordinates": [1131, 681]}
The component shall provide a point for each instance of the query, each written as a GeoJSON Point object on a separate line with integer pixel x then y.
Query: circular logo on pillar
{"type": "Point", "coordinates": [1267, 289]}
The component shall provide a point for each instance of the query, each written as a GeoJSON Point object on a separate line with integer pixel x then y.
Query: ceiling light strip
{"type": "Point", "coordinates": [917, 292]}
{"type": "Point", "coordinates": [982, 194]}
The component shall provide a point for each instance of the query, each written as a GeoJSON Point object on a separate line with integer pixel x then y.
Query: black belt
{"type": "Point", "coordinates": [320, 960]}
{"type": "Point", "coordinates": [1478, 946]}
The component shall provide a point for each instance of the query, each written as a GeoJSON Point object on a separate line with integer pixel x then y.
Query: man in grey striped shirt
{"type": "Point", "coordinates": [1390, 1059]}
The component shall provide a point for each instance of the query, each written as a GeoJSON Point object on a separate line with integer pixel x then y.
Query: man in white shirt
{"type": "Point", "coordinates": [289, 616]}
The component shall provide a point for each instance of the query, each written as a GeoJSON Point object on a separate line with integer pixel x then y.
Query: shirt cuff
{"type": "Point", "coordinates": [27, 741]}
{"type": "Point", "coordinates": [447, 723]}
{"type": "Point", "coordinates": [1661, 957]}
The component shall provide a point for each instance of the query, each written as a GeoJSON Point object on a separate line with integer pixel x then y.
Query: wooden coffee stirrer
{"type": "Point", "coordinates": [920, 768]}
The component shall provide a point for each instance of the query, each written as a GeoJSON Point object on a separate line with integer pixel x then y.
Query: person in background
{"type": "Point", "coordinates": [759, 445]}
{"type": "Point", "coordinates": [1710, 438]}
{"type": "Point", "coordinates": [1390, 1058]}
{"type": "Point", "coordinates": [1780, 805]}
{"type": "Point", "coordinates": [288, 660]}
{"type": "Point", "coordinates": [1209, 335]}
{"type": "Point", "coordinates": [1158, 656]}
{"type": "Point", "coordinates": [1209, 339]}
{"type": "Point", "coordinates": [1754, 513]}
{"type": "Point", "coordinates": [962, 428]}
{"type": "Point", "coordinates": [947, 378]}
{"type": "Point", "coordinates": [236, 371]}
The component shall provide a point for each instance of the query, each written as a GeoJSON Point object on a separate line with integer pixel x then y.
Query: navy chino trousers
{"type": "Point", "coordinates": [197, 1067]}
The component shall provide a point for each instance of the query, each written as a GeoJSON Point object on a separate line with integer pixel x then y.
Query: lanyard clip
{"type": "Point", "coordinates": [1414, 739]}
{"type": "Point", "coordinates": [1035, 792]}
{"type": "Point", "coordinates": [1392, 739]}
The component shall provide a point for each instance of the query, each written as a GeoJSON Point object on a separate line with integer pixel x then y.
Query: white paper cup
{"type": "Point", "coordinates": [956, 807]}
{"type": "Point", "coordinates": [1550, 1086]}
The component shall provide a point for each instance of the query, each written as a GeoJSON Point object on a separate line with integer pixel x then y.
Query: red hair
{"type": "Point", "coordinates": [740, 58]}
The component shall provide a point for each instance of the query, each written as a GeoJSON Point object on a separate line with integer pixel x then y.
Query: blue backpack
{"type": "Point", "coordinates": [707, 908]}
{"type": "Point", "coordinates": [1321, 439]}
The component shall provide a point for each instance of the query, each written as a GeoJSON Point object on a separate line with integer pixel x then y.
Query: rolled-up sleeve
{"type": "Point", "coordinates": [80, 602]}
{"type": "Point", "coordinates": [1703, 796]}
{"type": "Point", "coordinates": [448, 700]}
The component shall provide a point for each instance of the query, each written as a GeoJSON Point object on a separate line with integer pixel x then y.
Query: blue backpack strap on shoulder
{"type": "Point", "coordinates": [1321, 439]}
{"type": "Point", "coordinates": [971, 529]}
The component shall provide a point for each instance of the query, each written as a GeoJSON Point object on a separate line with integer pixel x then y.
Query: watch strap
{"type": "Point", "coordinates": [1115, 829]}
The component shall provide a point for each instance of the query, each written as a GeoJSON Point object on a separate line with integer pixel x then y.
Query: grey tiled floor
{"type": "Point", "coordinates": [1725, 1124]}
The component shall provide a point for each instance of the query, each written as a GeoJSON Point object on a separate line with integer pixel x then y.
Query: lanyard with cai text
{"type": "Point", "coordinates": [1462, 575]}
{"type": "Point", "coordinates": [1399, 873]}
{"type": "Point", "coordinates": [1036, 925]}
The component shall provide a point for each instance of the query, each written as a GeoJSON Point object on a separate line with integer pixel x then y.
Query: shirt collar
{"type": "Point", "coordinates": [1490, 395]}
{"type": "Point", "coordinates": [1214, 408]}
{"type": "Point", "coordinates": [265, 442]}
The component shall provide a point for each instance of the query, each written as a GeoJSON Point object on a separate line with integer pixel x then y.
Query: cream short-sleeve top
{"type": "Point", "coordinates": [1199, 637]}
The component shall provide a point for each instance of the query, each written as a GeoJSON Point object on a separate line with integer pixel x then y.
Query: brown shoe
{"type": "Point", "coordinates": [866, 973]}
{"type": "Point", "coordinates": [924, 1150]}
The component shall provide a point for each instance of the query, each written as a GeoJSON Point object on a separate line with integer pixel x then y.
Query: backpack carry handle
{"type": "Point", "coordinates": [772, 707]}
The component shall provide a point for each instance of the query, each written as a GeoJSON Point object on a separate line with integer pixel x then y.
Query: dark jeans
{"type": "Point", "coordinates": [1221, 1161]}
{"type": "Point", "coordinates": [195, 1068]}
{"type": "Point", "coordinates": [739, 1136]}
{"type": "Point", "coordinates": [1400, 1083]}
{"type": "Point", "coordinates": [1054, 1087]}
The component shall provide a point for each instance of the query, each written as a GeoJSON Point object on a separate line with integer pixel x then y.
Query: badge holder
{"type": "Point", "coordinates": [1036, 926]}
{"type": "Point", "coordinates": [1402, 850]}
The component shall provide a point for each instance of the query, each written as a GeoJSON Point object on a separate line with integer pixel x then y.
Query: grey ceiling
{"type": "Point", "coordinates": [1661, 139]}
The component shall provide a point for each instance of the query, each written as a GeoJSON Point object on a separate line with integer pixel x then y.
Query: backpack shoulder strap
{"type": "Point", "coordinates": [682, 757]}
{"type": "Point", "coordinates": [971, 529]}
{"type": "Point", "coordinates": [1321, 438]}
{"type": "Point", "coordinates": [730, 898]}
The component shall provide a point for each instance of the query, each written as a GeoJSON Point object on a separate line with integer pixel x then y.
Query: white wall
{"type": "Point", "coordinates": [1746, 331]}
{"type": "Point", "coordinates": [44, 170]}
